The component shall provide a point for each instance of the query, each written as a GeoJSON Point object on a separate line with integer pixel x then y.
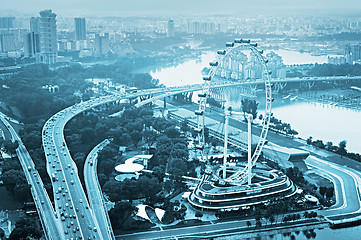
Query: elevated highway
{"type": "Point", "coordinates": [94, 191]}
{"type": "Point", "coordinates": [50, 223]}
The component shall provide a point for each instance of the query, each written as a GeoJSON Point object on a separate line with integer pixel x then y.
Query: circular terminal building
{"type": "Point", "coordinates": [266, 185]}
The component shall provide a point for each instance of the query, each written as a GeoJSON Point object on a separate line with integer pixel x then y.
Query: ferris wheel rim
{"type": "Point", "coordinates": [221, 55]}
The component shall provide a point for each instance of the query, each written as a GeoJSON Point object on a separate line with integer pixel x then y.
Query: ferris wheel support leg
{"type": "Point", "coordinates": [225, 144]}
{"type": "Point", "coordinates": [249, 119]}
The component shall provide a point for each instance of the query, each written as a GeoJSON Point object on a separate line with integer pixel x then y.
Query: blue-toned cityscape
{"type": "Point", "coordinates": [180, 120]}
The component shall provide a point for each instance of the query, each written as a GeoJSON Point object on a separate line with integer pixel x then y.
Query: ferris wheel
{"type": "Point", "coordinates": [241, 175]}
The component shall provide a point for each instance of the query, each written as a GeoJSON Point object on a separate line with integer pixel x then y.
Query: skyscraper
{"type": "Point", "coordinates": [32, 40]}
{"type": "Point", "coordinates": [170, 28]}
{"type": "Point", "coordinates": [7, 22]}
{"type": "Point", "coordinates": [7, 42]}
{"type": "Point", "coordinates": [32, 45]}
{"type": "Point", "coordinates": [34, 24]}
{"type": "Point", "coordinates": [48, 37]}
{"type": "Point", "coordinates": [101, 44]}
{"type": "Point", "coordinates": [80, 29]}
{"type": "Point", "coordinates": [353, 53]}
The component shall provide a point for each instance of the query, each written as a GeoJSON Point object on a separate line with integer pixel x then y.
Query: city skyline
{"type": "Point", "coordinates": [161, 7]}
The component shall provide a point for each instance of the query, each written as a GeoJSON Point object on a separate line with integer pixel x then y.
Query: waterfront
{"type": "Point", "coordinates": [309, 119]}
{"type": "Point", "coordinates": [189, 72]}
{"type": "Point", "coordinates": [316, 120]}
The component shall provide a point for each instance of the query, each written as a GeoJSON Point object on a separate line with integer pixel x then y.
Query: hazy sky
{"type": "Point", "coordinates": [110, 7]}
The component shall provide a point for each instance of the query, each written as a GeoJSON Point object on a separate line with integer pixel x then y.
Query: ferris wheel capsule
{"type": "Point", "coordinates": [230, 44]}
{"type": "Point", "coordinates": [199, 147]}
{"type": "Point", "coordinates": [198, 112]}
{"type": "Point", "coordinates": [242, 41]}
{"type": "Point", "coordinates": [198, 130]}
{"type": "Point", "coordinates": [213, 64]}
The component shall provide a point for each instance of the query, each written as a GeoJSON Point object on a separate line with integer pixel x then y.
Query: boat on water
{"type": "Point", "coordinates": [293, 98]}
{"type": "Point", "coordinates": [287, 97]}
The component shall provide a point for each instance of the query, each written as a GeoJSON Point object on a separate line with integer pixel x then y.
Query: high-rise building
{"type": "Point", "coordinates": [101, 44]}
{"type": "Point", "coordinates": [35, 24]}
{"type": "Point", "coordinates": [7, 42]}
{"type": "Point", "coordinates": [48, 37]}
{"type": "Point", "coordinates": [202, 28]}
{"type": "Point", "coordinates": [7, 22]}
{"type": "Point", "coordinates": [170, 28]}
{"type": "Point", "coordinates": [353, 53]}
{"type": "Point", "coordinates": [32, 40]}
{"type": "Point", "coordinates": [32, 45]}
{"type": "Point", "coordinates": [80, 29]}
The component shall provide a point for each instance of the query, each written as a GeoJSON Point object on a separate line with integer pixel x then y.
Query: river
{"type": "Point", "coordinates": [310, 119]}
{"type": "Point", "coordinates": [189, 72]}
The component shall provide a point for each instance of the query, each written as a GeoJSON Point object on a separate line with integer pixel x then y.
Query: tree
{"type": "Point", "coordinates": [106, 166]}
{"type": "Point", "coordinates": [158, 172]}
{"type": "Point", "coordinates": [10, 147]}
{"type": "Point", "coordinates": [342, 147]}
{"type": "Point", "coordinates": [172, 132]}
{"type": "Point", "coordinates": [329, 192]}
{"type": "Point", "coordinates": [329, 146]}
{"type": "Point", "coordinates": [120, 212]}
{"type": "Point", "coordinates": [150, 137]}
{"type": "Point", "coordinates": [199, 214]}
{"type": "Point", "coordinates": [87, 135]}
{"type": "Point", "coordinates": [179, 153]}
{"type": "Point", "coordinates": [184, 126]}
{"type": "Point", "coordinates": [13, 178]}
{"type": "Point", "coordinates": [249, 106]}
{"type": "Point", "coordinates": [272, 219]}
{"type": "Point", "coordinates": [258, 223]}
{"type": "Point", "coordinates": [22, 192]}
{"type": "Point", "coordinates": [113, 190]}
{"type": "Point", "coordinates": [309, 140]}
{"type": "Point", "coordinates": [25, 228]}
{"type": "Point", "coordinates": [177, 167]}
{"type": "Point", "coordinates": [108, 152]}
{"type": "Point", "coordinates": [322, 190]}
{"type": "Point", "coordinates": [136, 137]}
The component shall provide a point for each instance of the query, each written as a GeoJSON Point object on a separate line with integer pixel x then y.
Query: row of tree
{"type": "Point", "coordinates": [12, 174]}
{"type": "Point", "coordinates": [340, 149]}
{"type": "Point", "coordinates": [279, 126]}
